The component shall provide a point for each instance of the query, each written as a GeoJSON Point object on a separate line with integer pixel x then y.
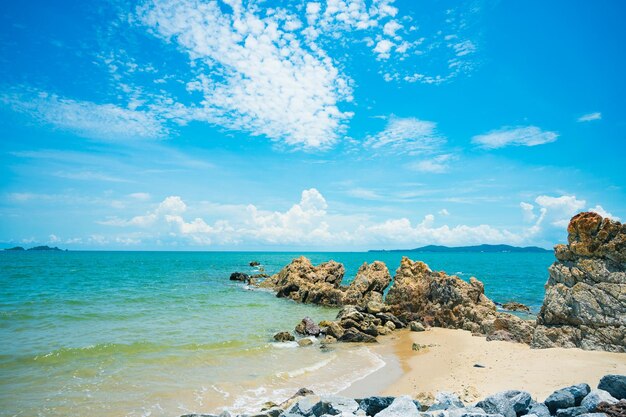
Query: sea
{"type": "Point", "coordinates": [167, 333]}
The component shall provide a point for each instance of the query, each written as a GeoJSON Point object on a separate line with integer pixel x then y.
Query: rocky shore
{"type": "Point", "coordinates": [584, 306]}
{"type": "Point", "coordinates": [607, 400]}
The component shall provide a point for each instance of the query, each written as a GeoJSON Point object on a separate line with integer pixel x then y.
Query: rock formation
{"type": "Point", "coordinates": [368, 285]}
{"type": "Point", "coordinates": [585, 301]}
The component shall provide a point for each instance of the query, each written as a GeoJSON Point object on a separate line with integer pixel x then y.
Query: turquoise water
{"type": "Point", "coordinates": [162, 333]}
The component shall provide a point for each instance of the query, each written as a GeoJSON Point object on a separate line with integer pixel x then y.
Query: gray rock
{"type": "Point", "coordinates": [284, 337]}
{"type": "Point", "coordinates": [539, 409]}
{"type": "Point", "coordinates": [334, 404]}
{"type": "Point", "coordinates": [571, 412]}
{"type": "Point", "coordinates": [446, 400]}
{"type": "Point", "coordinates": [507, 403]}
{"type": "Point", "coordinates": [467, 412]}
{"type": "Point", "coordinates": [305, 406]}
{"type": "Point", "coordinates": [416, 326]}
{"type": "Point", "coordinates": [374, 405]}
{"type": "Point", "coordinates": [614, 385]}
{"type": "Point", "coordinates": [560, 399]}
{"type": "Point", "coordinates": [579, 392]}
{"type": "Point", "coordinates": [239, 276]}
{"type": "Point", "coordinates": [352, 335]}
{"type": "Point", "coordinates": [400, 407]}
{"type": "Point", "coordinates": [592, 415]}
{"type": "Point", "coordinates": [308, 327]}
{"type": "Point", "coordinates": [595, 397]}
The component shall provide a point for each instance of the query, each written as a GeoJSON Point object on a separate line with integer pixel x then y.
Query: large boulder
{"type": "Point", "coordinates": [585, 301]}
{"type": "Point", "coordinates": [301, 281]}
{"type": "Point", "coordinates": [595, 397]}
{"type": "Point", "coordinates": [438, 299]}
{"type": "Point", "coordinates": [614, 385]}
{"type": "Point", "coordinates": [508, 403]}
{"type": "Point", "coordinates": [400, 407]}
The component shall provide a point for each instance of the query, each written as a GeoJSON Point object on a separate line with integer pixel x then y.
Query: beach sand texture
{"type": "Point", "coordinates": [448, 365]}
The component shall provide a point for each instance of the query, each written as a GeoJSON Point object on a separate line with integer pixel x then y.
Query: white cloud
{"type": "Point", "coordinates": [590, 117]}
{"type": "Point", "coordinates": [268, 81]}
{"type": "Point", "coordinates": [88, 176]}
{"type": "Point", "coordinates": [382, 48]}
{"type": "Point", "coordinates": [554, 212]}
{"type": "Point", "coordinates": [602, 212]}
{"type": "Point", "coordinates": [436, 165]}
{"type": "Point", "coordinates": [514, 136]}
{"type": "Point", "coordinates": [140, 196]}
{"type": "Point", "coordinates": [306, 223]}
{"type": "Point", "coordinates": [96, 121]}
{"type": "Point", "coordinates": [407, 135]}
{"type": "Point", "coordinates": [528, 211]}
{"type": "Point", "coordinates": [364, 193]}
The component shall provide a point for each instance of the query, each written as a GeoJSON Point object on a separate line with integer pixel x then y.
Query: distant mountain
{"type": "Point", "coordinates": [16, 248]}
{"type": "Point", "coordinates": [46, 248]}
{"type": "Point", "coordinates": [477, 248]}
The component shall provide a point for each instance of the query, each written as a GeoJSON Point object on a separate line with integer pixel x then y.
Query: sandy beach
{"type": "Point", "coordinates": [447, 364]}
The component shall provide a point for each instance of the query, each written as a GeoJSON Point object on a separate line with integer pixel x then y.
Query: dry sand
{"type": "Point", "coordinates": [448, 365]}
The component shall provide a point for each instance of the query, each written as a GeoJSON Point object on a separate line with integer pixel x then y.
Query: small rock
{"type": "Point", "coordinates": [374, 405]}
{"type": "Point", "coordinates": [254, 263]}
{"type": "Point", "coordinates": [239, 276]}
{"type": "Point", "coordinates": [515, 306]}
{"type": "Point", "coordinates": [374, 307]}
{"type": "Point", "coordinates": [614, 385]}
{"type": "Point", "coordinates": [571, 412]}
{"type": "Point", "coordinates": [595, 397]}
{"type": "Point", "coordinates": [400, 407]}
{"type": "Point", "coordinates": [478, 365]}
{"type": "Point", "coordinates": [390, 325]}
{"type": "Point", "coordinates": [352, 335]}
{"type": "Point", "coordinates": [539, 409]}
{"type": "Point", "coordinates": [305, 342]}
{"type": "Point", "coordinates": [560, 399]}
{"type": "Point", "coordinates": [328, 340]}
{"type": "Point", "coordinates": [284, 337]}
{"type": "Point", "coordinates": [308, 327]}
{"type": "Point", "coordinates": [446, 400]}
{"type": "Point", "coordinates": [613, 410]}
{"type": "Point", "coordinates": [416, 326]}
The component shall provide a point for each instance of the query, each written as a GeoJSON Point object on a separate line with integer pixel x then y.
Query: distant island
{"type": "Point", "coordinates": [35, 248]}
{"type": "Point", "coordinates": [477, 248]}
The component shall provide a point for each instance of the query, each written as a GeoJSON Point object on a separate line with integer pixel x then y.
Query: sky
{"type": "Point", "coordinates": [295, 125]}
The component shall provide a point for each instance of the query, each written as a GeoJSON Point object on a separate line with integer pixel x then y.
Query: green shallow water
{"type": "Point", "coordinates": [163, 333]}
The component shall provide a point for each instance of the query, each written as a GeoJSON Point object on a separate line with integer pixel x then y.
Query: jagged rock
{"type": "Point", "coordinates": [507, 403]}
{"type": "Point", "coordinates": [613, 410]}
{"type": "Point", "coordinates": [352, 335]}
{"type": "Point", "coordinates": [254, 263]}
{"type": "Point", "coordinates": [571, 412]}
{"type": "Point", "coordinates": [595, 397]}
{"type": "Point", "coordinates": [400, 407]}
{"type": "Point", "coordinates": [515, 306]}
{"type": "Point", "coordinates": [388, 317]}
{"type": "Point", "coordinates": [585, 301]}
{"type": "Point", "coordinates": [560, 399]}
{"type": "Point", "coordinates": [446, 400]}
{"type": "Point", "coordinates": [447, 301]}
{"type": "Point", "coordinates": [614, 385]}
{"type": "Point", "coordinates": [284, 337]}
{"type": "Point", "coordinates": [303, 282]}
{"type": "Point", "coordinates": [239, 276]}
{"type": "Point", "coordinates": [416, 326]}
{"type": "Point", "coordinates": [368, 285]}
{"type": "Point", "coordinates": [538, 409]}
{"type": "Point", "coordinates": [307, 327]}
{"type": "Point", "coordinates": [332, 328]}
{"type": "Point", "coordinates": [374, 405]}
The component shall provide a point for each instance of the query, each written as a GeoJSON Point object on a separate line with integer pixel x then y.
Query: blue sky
{"type": "Point", "coordinates": [332, 125]}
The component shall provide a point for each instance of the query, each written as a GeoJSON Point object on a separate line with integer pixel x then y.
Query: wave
{"type": "Point", "coordinates": [307, 369]}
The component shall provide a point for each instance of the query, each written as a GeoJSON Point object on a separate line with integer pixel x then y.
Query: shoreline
{"type": "Point", "coordinates": [448, 365]}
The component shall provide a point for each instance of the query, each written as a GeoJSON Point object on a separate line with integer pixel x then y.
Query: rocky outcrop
{"type": "Point", "coordinates": [302, 281]}
{"type": "Point", "coordinates": [585, 301]}
{"type": "Point", "coordinates": [368, 285]}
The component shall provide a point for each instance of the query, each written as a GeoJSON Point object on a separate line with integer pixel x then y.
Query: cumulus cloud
{"type": "Point", "coordinates": [602, 212]}
{"type": "Point", "coordinates": [107, 122]}
{"type": "Point", "coordinates": [515, 136]}
{"type": "Point", "coordinates": [306, 223]}
{"type": "Point", "coordinates": [590, 117]}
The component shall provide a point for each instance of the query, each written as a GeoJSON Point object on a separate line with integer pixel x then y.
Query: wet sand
{"type": "Point", "coordinates": [447, 364]}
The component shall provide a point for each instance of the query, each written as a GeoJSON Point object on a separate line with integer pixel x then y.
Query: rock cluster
{"type": "Point", "coordinates": [585, 301]}
{"type": "Point", "coordinates": [304, 282]}
{"type": "Point", "coordinates": [574, 401]}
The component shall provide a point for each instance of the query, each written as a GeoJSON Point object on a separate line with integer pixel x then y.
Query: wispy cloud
{"type": "Point", "coordinates": [88, 176]}
{"type": "Point", "coordinates": [514, 136]}
{"type": "Point", "coordinates": [407, 135]}
{"type": "Point", "coordinates": [435, 165]}
{"type": "Point", "coordinates": [107, 122]}
{"type": "Point", "coordinates": [590, 117]}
